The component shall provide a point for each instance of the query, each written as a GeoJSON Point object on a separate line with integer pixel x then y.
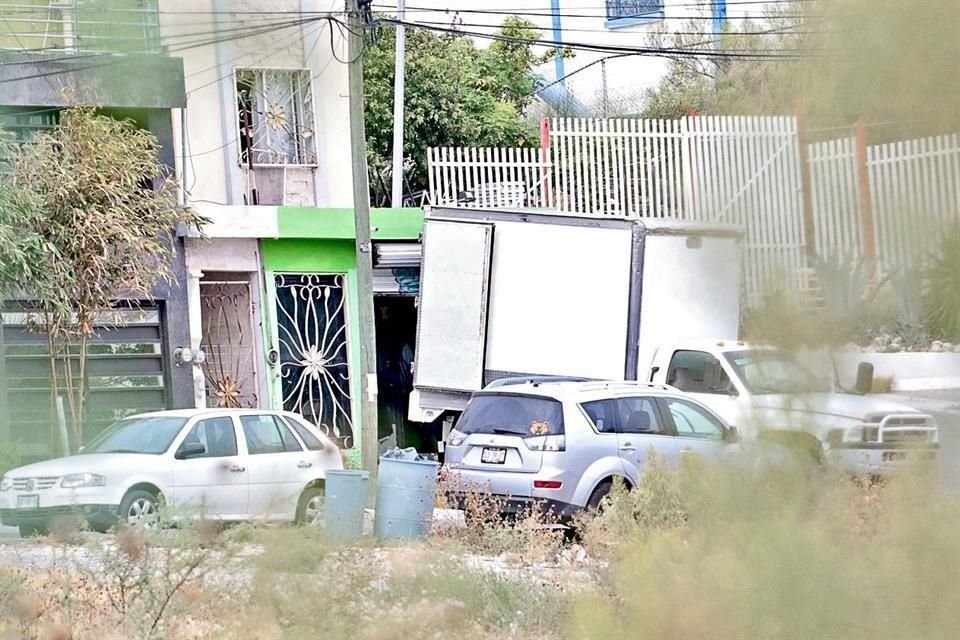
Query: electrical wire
{"type": "Point", "coordinates": [600, 48]}
{"type": "Point", "coordinates": [561, 14]}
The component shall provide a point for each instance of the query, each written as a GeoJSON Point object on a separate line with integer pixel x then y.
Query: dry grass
{"type": "Point", "coordinates": [694, 552]}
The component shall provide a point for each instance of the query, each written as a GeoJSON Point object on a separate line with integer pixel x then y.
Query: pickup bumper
{"type": "Point", "coordinates": [881, 458]}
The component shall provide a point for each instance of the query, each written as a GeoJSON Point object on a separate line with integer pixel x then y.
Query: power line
{"type": "Point", "coordinates": [670, 33]}
{"type": "Point", "coordinates": [121, 59]}
{"type": "Point", "coordinates": [600, 48]}
{"type": "Point", "coordinates": [550, 14]}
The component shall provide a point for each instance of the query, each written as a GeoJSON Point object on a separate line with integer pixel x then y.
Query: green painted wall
{"type": "Point", "coordinates": [311, 222]}
{"type": "Point", "coordinates": [300, 255]}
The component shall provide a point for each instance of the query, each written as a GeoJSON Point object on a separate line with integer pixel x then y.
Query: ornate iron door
{"type": "Point", "coordinates": [226, 316]}
{"type": "Point", "coordinates": [312, 344]}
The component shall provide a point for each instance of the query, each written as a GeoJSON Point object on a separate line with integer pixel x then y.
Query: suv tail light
{"type": "Point", "coordinates": [455, 438]}
{"type": "Point", "coordinates": [546, 443]}
{"type": "Point", "coordinates": [547, 484]}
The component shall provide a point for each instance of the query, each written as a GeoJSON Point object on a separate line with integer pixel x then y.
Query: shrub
{"type": "Point", "coordinates": [941, 303]}
{"type": "Point", "coordinates": [779, 557]}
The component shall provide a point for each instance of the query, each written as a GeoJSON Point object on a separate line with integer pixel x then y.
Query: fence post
{"type": "Point", "coordinates": [545, 177]}
{"type": "Point", "coordinates": [806, 192]}
{"type": "Point", "coordinates": [868, 231]}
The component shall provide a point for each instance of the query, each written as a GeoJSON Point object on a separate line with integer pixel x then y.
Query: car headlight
{"type": "Point", "coordinates": [6, 483]}
{"type": "Point", "coordinates": [77, 480]}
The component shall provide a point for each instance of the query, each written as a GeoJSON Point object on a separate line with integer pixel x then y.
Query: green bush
{"type": "Point", "coordinates": [776, 556]}
{"type": "Point", "coordinates": [941, 303]}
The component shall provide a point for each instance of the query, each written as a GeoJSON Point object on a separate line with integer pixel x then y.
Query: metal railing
{"type": "Point", "coordinates": [80, 26]}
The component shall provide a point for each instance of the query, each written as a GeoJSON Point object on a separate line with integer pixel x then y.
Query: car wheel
{"type": "Point", "coordinates": [595, 503]}
{"type": "Point", "coordinates": [140, 508]}
{"type": "Point", "coordinates": [310, 507]}
{"type": "Point", "coordinates": [33, 530]}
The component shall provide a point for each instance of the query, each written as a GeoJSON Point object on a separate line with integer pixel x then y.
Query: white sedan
{"type": "Point", "coordinates": [227, 464]}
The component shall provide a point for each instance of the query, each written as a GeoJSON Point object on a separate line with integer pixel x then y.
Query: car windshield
{"type": "Point", "coordinates": [764, 372]}
{"type": "Point", "coordinates": [149, 434]}
{"type": "Point", "coordinates": [512, 414]}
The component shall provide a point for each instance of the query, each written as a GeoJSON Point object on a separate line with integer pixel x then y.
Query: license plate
{"type": "Point", "coordinates": [28, 502]}
{"type": "Point", "coordinates": [492, 455]}
{"type": "Point", "coordinates": [894, 456]}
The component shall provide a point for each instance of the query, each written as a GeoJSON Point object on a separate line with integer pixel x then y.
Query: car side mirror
{"type": "Point", "coordinates": [191, 450]}
{"type": "Point", "coordinates": [732, 435]}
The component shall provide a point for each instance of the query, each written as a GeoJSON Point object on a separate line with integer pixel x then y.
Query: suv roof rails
{"type": "Point", "coordinates": [502, 382]}
{"type": "Point", "coordinates": [606, 384]}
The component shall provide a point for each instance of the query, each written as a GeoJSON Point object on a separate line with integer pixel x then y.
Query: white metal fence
{"type": "Point", "coordinates": [489, 177]}
{"type": "Point", "coordinates": [915, 191]}
{"type": "Point", "coordinates": [741, 170]}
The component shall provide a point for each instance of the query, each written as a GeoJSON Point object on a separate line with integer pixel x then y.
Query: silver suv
{"type": "Point", "coordinates": [558, 445]}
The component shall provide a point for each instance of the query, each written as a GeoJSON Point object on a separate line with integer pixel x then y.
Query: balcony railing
{"type": "Point", "coordinates": [80, 26]}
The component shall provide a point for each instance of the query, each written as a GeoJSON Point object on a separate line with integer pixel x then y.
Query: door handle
{"type": "Point", "coordinates": [304, 465]}
{"type": "Point", "coordinates": [238, 468]}
{"type": "Point", "coordinates": [628, 447]}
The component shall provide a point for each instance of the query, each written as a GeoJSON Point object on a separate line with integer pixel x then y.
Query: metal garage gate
{"type": "Point", "coordinates": [125, 374]}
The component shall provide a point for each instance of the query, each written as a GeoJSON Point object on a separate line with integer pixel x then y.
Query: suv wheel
{"type": "Point", "coordinates": [595, 503]}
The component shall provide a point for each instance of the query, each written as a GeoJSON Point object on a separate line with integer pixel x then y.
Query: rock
{"type": "Point", "coordinates": [948, 346]}
{"type": "Point", "coordinates": [936, 347]}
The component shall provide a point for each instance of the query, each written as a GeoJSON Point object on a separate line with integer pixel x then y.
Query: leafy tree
{"type": "Point", "coordinates": [93, 191]}
{"type": "Point", "coordinates": [884, 61]}
{"type": "Point", "coordinates": [456, 94]}
{"type": "Point", "coordinates": [21, 250]}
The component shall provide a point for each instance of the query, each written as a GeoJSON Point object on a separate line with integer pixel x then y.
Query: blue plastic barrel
{"type": "Point", "coordinates": [406, 491]}
{"type": "Point", "coordinates": [346, 497]}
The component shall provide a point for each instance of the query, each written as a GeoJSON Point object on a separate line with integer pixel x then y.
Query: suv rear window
{"type": "Point", "coordinates": [512, 414]}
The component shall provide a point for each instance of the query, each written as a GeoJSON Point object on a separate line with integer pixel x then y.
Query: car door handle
{"type": "Point", "coordinates": [628, 447]}
{"type": "Point", "coordinates": [304, 464]}
{"type": "Point", "coordinates": [238, 468]}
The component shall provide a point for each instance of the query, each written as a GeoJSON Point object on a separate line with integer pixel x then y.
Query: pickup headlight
{"type": "Point", "coordinates": [853, 434]}
{"type": "Point", "coordinates": [77, 480]}
{"type": "Point", "coordinates": [6, 483]}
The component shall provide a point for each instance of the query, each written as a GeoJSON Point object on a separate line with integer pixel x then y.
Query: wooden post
{"type": "Point", "coordinates": [545, 177]}
{"type": "Point", "coordinates": [806, 191]}
{"type": "Point", "coordinates": [867, 230]}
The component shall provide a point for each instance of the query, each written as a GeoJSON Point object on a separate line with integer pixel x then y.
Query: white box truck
{"type": "Point", "coordinates": [521, 293]}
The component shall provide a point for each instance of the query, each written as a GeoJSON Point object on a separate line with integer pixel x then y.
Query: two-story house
{"type": "Point", "coordinates": [262, 149]}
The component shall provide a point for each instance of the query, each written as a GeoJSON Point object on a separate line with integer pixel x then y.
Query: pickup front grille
{"type": "Point", "coordinates": [901, 429]}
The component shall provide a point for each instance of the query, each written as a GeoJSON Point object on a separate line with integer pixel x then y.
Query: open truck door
{"type": "Point", "coordinates": [452, 316]}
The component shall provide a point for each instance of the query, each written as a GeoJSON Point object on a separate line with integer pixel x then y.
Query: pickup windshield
{"type": "Point", "coordinates": [765, 372]}
{"type": "Point", "coordinates": [512, 414]}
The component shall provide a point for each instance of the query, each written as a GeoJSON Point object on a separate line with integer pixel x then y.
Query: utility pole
{"type": "Point", "coordinates": [361, 217]}
{"type": "Point", "coordinates": [398, 86]}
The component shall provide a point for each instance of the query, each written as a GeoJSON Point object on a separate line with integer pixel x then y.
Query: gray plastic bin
{"type": "Point", "coordinates": [406, 492]}
{"type": "Point", "coordinates": [346, 497]}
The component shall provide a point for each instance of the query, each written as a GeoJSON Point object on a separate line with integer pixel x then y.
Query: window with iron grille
{"type": "Point", "coordinates": [275, 117]}
{"type": "Point", "coordinates": [621, 9]}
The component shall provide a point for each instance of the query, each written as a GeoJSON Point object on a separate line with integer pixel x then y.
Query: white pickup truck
{"type": "Point", "coordinates": [523, 294]}
{"type": "Point", "coordinates": [767, 394]}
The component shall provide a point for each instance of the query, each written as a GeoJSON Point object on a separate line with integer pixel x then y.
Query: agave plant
{"type": "Point", "coordinates": [941, 300]}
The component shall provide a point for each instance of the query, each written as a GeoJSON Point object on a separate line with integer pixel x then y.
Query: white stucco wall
{"type": "Point", "coordinates": [212, 171]}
